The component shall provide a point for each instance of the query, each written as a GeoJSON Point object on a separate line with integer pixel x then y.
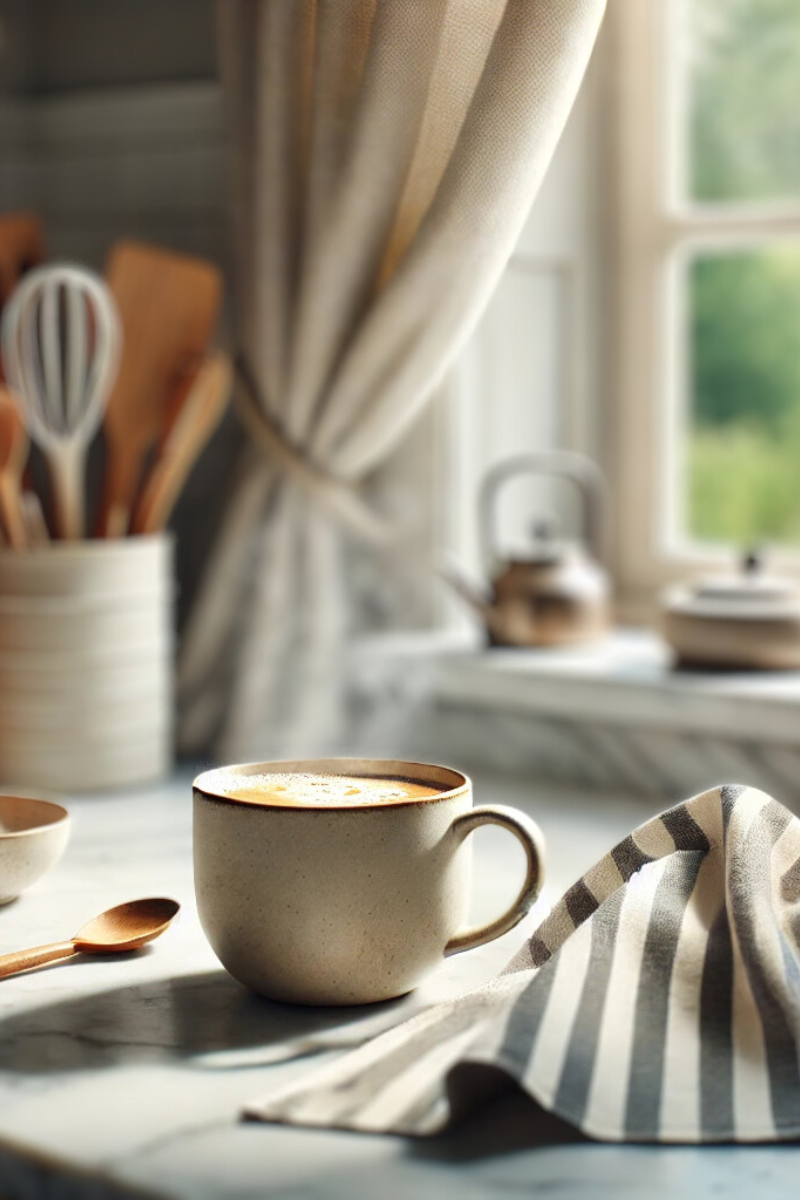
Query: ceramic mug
{"type": "Point", "coordinates": [345, 905]}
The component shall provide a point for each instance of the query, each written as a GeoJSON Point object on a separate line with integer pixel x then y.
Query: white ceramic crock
{"type": "Point", "coordinates": [86, 676]}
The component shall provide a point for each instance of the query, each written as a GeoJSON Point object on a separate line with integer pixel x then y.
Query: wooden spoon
{"type": "Point", "coordinates": [196, 412]}
{"type": "Point", "coordinates": [169, 305]}
{"type": "Point", "coordinates": [14, 447]}
{"type": "Point", "coordinates": [126, 927]}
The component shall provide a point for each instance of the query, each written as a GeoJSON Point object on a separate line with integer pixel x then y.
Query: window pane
{"type": "Point", "coordinates": [744, 98]}
{"type": "Point", "coordinates": [743, 458]}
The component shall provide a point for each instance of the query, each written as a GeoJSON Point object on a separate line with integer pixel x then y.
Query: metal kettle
{"type": "Point", "coordinates": [558, 593]}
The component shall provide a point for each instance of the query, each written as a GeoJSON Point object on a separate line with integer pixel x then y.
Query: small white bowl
{"type": "Point", "coordinates": [33, 834]}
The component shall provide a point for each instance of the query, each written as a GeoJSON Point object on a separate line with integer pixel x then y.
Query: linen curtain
{"type": "Point", "coordinates": [384, 156]}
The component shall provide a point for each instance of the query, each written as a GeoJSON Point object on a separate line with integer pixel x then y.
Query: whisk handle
{"type": "Point", "coordinates": [66, 461]}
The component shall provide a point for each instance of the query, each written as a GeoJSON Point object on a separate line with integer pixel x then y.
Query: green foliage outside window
{"type": "Point", "coordinates": [744, 305]}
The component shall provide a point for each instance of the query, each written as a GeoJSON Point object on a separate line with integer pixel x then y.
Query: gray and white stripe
{"type": "Point", "coordinates": [658, 1001]}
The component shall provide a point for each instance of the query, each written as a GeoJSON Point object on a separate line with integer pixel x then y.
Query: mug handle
{"type": "Point", "coordinates": [528, 833]}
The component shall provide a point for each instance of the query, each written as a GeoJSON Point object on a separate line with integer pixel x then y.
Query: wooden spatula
{"type": "Point", "coordinates": [195, 415]}
{"type": "Point", "coordinates": [168, 304]}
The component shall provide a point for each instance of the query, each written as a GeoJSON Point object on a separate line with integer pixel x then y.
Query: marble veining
{"type": "Point", "coordinates": [126, 1076]}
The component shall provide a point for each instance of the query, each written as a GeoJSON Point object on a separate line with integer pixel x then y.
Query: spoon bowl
{"type": "Point", "coordinates": [126, 927]}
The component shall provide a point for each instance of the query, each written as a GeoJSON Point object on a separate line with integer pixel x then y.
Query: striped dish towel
{"type": "Point", "coordinates": [658, 1001]}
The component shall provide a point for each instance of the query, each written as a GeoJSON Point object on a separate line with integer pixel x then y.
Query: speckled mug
{"type": "Point", "coordinates": [345, 905]}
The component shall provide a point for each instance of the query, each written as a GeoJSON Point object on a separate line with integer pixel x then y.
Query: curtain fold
{"type": "Point", "coordinates": [384, 156]}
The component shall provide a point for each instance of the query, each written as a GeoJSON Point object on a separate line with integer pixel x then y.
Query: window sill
{"type": "Point", "coordinates": [625, 678]}
{"type": "Point", "coordinates": [611, 715]}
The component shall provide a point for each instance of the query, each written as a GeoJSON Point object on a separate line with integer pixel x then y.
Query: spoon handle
{"type": "Point", "coordinates": [39, 956]}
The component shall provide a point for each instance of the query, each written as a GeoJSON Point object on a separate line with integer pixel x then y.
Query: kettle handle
{"type": "Point", "coordinates": [577, 468]}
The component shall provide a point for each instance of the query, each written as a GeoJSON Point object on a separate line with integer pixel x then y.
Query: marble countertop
{"type": "Point", "coordinates": [126, 1076]}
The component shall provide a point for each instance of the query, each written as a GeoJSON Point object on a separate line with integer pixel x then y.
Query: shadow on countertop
{"type": "Point", "coordinates": [175, 1019]}
{"type": "Point", "coordinates": [209, 1021]}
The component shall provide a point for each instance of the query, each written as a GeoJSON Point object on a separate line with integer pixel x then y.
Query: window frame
{"type": "Point", "coordinates": [654, 229]}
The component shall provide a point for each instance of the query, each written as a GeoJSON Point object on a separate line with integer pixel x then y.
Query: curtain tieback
{"type": "Point", "coordinates": [338, 495]}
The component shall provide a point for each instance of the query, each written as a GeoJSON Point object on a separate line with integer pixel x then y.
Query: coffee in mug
{"type": "Point", "coordinates": [343, 881]}
{"type": "Point", "coordinates": [309, 789]}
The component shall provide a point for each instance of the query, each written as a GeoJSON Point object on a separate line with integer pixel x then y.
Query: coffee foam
{"type": "Point", "coordinates": [309, 789]}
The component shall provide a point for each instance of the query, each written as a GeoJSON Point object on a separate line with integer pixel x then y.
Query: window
{"type": "Point", "coordinates": [708, 245]}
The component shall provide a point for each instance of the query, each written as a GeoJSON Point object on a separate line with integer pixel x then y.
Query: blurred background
{"type": "Point", "coordinates": [112, 126]}
{"type": "Point", "coordinates": [648, 319]}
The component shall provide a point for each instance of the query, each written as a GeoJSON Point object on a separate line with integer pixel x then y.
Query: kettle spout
{"type": "Point", "coordinates": [476, 594]}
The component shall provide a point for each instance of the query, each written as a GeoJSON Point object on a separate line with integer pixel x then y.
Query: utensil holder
{"type": "Point", "coordinates": [86, 663]}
